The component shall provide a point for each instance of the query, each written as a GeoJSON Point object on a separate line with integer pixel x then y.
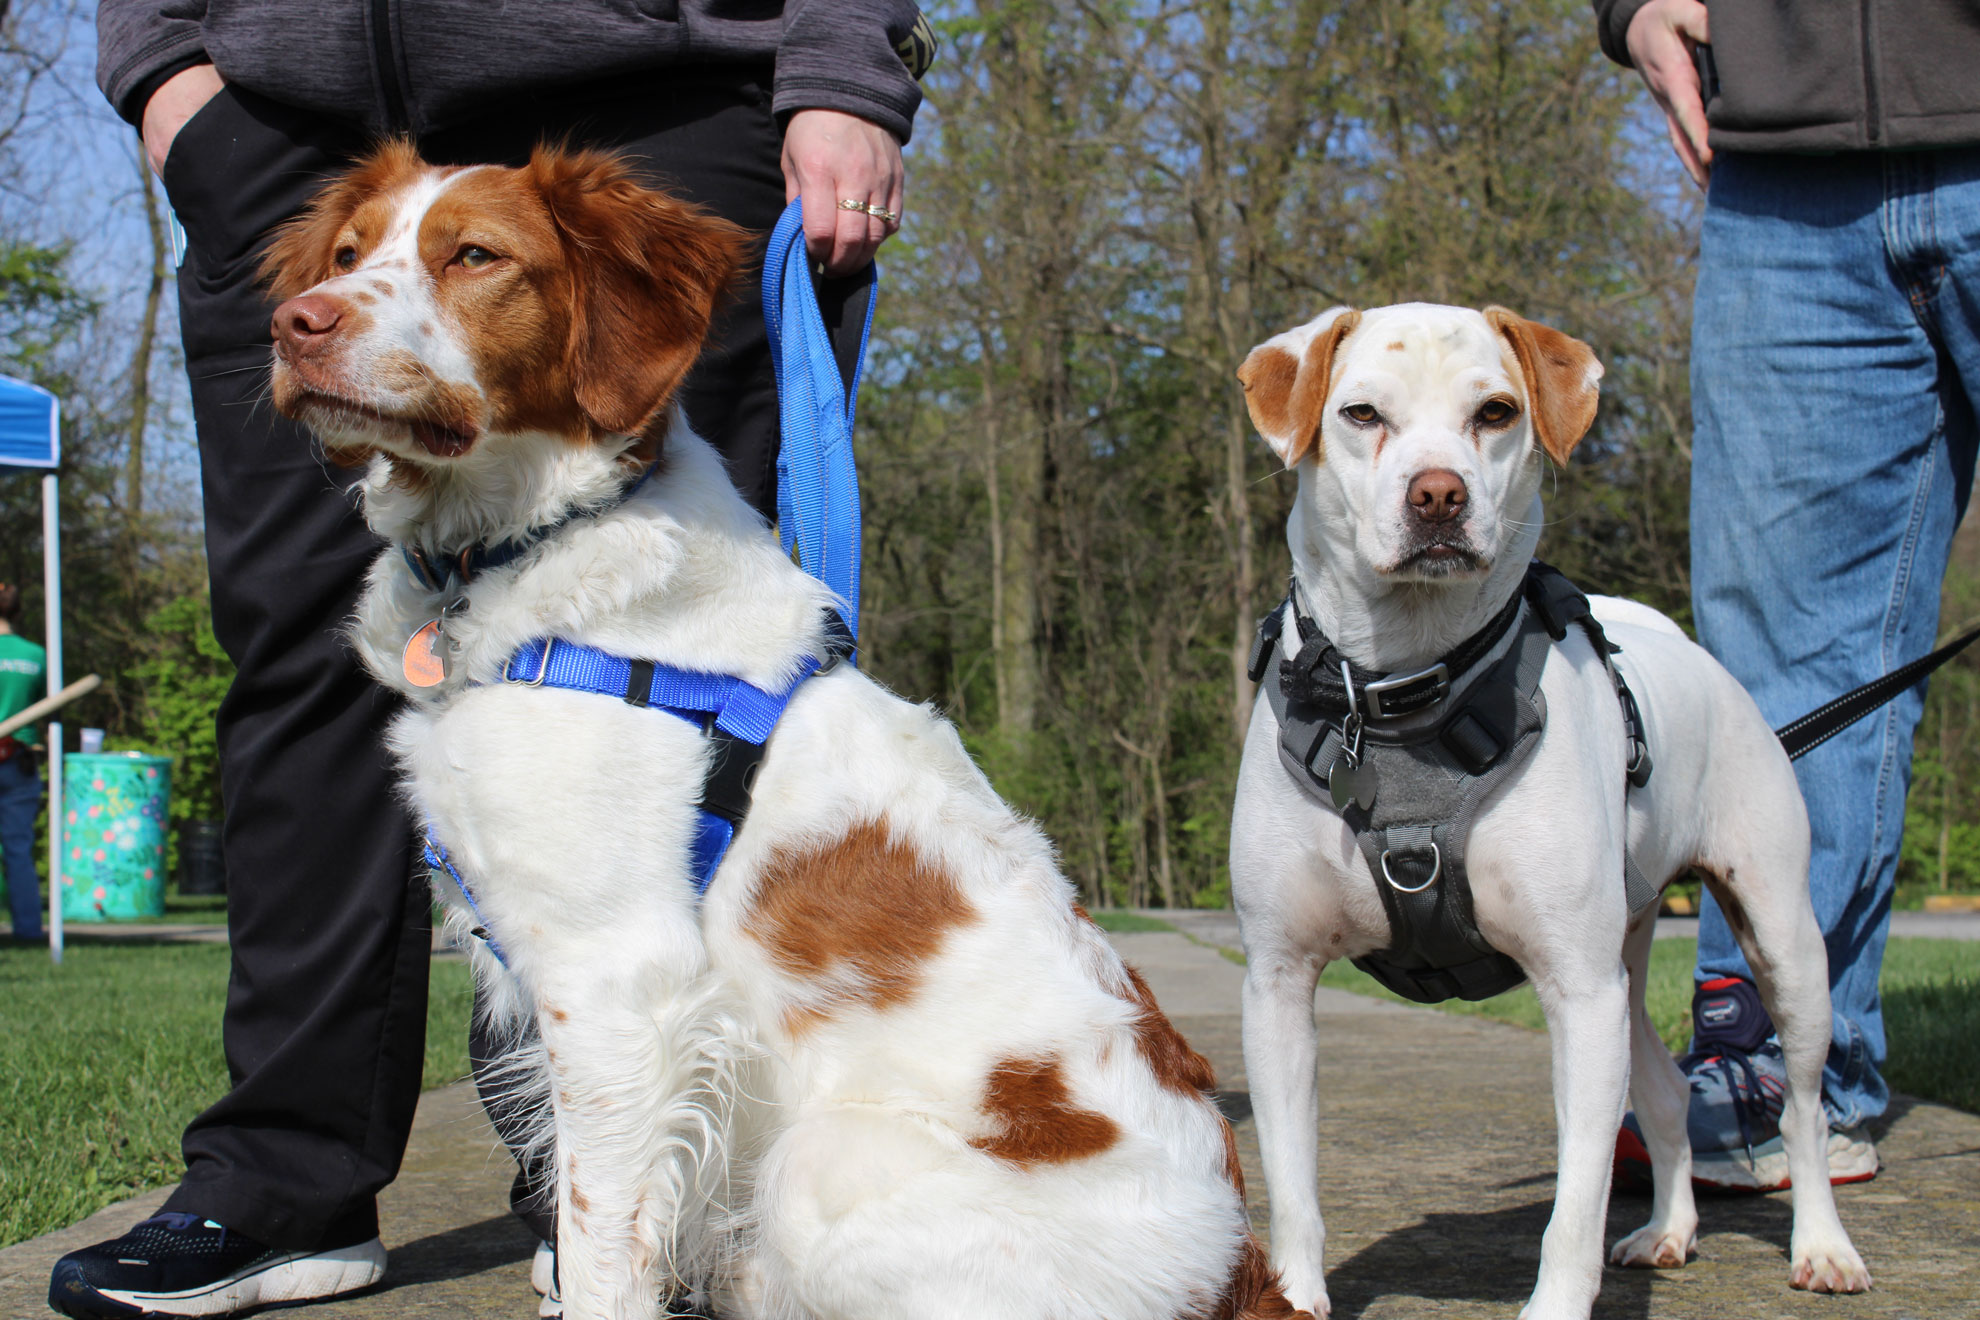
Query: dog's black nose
{"type": "Point", "coordinates": [1437, 495]}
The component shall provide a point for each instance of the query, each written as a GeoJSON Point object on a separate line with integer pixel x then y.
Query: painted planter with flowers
{"type": "Point", "coordinates": [115, 810]}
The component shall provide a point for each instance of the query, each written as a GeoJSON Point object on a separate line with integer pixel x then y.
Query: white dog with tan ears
{"type": "Point", "coordinates": [1461, 772]}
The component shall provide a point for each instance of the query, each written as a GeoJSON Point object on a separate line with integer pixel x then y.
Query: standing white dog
{"type": "Point", "coordinates": [1420, 435]}
{"type": "Point", "coordinates": [885, 1069]}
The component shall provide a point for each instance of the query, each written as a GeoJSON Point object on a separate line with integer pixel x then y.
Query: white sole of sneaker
{"type": "Point", "coordinates": [543, 1269]}
{"type": "Point", "coordinates": [298, 1277]}
{"type": "Point", "coordinates": [1851, 1160]}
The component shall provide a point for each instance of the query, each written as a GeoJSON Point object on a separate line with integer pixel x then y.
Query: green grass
{"type": "Point", "coordinates": [105, 1058]}
{"type": "Point", "coordinates": [1118, 922]}
{"type": "Point", "coordinates": [1931, 1010]}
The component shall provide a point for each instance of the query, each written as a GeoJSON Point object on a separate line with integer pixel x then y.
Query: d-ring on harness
{"type": "Point", "coordinates": [818, 518]}
{"type": "Point", "coordinates": [1411, 796]}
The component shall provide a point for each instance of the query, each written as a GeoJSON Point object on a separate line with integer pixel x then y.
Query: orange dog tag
{"type": "Point", "coordinates": [425, 660]}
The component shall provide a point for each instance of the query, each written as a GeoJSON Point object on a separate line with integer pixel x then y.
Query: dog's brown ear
{"type": "Point", "coordinates": [1286, 394]}
{"type": "Point", "coordinates": [1563, 380]}
{"type": "Point", "coordinates": [303, 253]}
{"type": "Point", "coordinates": [646, 274]}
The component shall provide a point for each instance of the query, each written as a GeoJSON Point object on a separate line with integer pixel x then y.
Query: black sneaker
{"type": "Point", "coordinates": [177, 1264]}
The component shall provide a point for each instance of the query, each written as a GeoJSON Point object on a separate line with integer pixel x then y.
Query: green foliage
{"type": "Point", "coordinates": [1941, 847]}
{"type": "Point", "coordinates": [41, 310]}
{"type": "Point", "coordinates": [107, 1057]}
{"type": "Point", "coordinates": [183, 679]}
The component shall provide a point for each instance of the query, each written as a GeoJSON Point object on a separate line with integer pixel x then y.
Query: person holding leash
{"type": "Point", "coordinates": [1835, 378]}
{"type": "Point", "coordinates": [23, 681]}
{"type": "Point", "coordinates": [245, 111]}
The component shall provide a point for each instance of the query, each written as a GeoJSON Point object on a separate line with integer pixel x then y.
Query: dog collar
{"type": "Point", "coordinates": [436, 571]}
{"type": "Point", "coordinates": [1319, 675]}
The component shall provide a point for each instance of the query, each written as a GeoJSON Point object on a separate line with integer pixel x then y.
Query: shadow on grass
{"type": "Point", "coordinates": [460, 1252]}
{"type": "Point", "coordinates": [1493, 1256]}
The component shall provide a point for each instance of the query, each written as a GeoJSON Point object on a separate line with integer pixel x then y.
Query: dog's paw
{"type": "Point", "coordinates": [1655, 1247]}
{"type": "Point", "coordinates": [1830, 1268]}
{"type": "Point", "coordinates": [1309, 1299]}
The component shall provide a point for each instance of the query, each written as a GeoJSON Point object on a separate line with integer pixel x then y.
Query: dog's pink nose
{"type": "Point", "coordinates": [1437, 495]}
{"type": "Point", "coordinates": [304, 324]}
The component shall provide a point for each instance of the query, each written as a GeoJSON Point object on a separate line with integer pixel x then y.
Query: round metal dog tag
{"type": "Point", "coordinates": [425, 658]}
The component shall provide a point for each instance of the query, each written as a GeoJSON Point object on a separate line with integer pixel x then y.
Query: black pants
{"type": "Point", "coordinates": [329, 922]}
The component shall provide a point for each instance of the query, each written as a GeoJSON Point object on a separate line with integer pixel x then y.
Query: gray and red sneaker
{"type": "Point", "coordinates": [1738, 1084]}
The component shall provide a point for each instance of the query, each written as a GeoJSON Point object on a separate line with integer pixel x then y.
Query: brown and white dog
{"type": "Point", "coordinates": [1421, 435]}
{"type": "Point", "coordinates": [886, 1068]}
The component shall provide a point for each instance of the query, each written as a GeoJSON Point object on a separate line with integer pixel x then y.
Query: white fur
{"type": "Point", "coordinates": [696, 1140]}
{"type": "Point", "coordinates": [1546, 856]}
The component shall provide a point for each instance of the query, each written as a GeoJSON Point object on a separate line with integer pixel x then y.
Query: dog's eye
{"type": "Point", "coordinates": [346, 258]}
{"type": "Point", "coordinates": [473, 258]}
{"type": "Point", "coordinates": [1497, 412]}
{"type": "Point", "coordinates": [1361, 414]}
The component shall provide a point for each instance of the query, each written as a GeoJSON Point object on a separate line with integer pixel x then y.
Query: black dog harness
{"type": "Point", "coordinates": [1411, 795]}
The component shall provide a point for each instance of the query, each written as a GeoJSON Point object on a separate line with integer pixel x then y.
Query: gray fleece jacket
{"type": "Point", "coordinates": [418, 65]}
{"type": "Point", "coordinates": [1834, 75]}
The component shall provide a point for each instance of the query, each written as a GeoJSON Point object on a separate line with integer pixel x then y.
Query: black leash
{"type": "Point", "coordinates": [1820, 725]}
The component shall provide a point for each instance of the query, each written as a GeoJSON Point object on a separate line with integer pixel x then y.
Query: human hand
{"type": "Point", "coordinates": [177, 99]}
{"type": "Point", "coordinates": [831, 157]}
{"type": "Point", "coordinates": [1660, 40]}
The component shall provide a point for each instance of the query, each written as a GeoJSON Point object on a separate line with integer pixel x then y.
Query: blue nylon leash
{"type": "Point", "coordinates": [817, 481]}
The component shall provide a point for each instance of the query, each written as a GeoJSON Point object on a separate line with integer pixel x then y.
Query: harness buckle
{"type": "Point", "coordinates": [1375, 696]}
{"type": "Point", "coordinates": [542, 668]}
{"type": "Point", "coordinates": [1436, 869]}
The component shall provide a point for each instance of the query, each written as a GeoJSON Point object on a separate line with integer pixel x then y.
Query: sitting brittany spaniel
{"type": "Point", "coordinates": [885, 1067]}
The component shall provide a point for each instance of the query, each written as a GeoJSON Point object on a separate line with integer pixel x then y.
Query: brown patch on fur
{"type": "Point", "coordinates": [1267, 376]}
{"type": "Point", "coordinates": [1396, 347]}
{"type": "Point", "coordinates": [1253, 1292]}
{"type": "Point", "coordinates": [557, 1014]}
{"type": "Point", "coordinates": [1287, 398]}
{"type": "Point", "coordinates": [1561, 376]}
{"type": "Point", "coordinates": [1162, 1047]}
{"type": "Point", "coordinates": [1233, 1164]}
{"type": "Point", "coordinates": [354, 207]}
{"type": "Point", "coordinates": [1729, 904]}
{"type": "Point", "coordinates": [579, 1204]}
{"type": "Point", "coordinates": [646, 272]}
{"type": "Point", "coordinates": [857, 918]}
{"type": "Point", "coordinates": [1038, 1123]}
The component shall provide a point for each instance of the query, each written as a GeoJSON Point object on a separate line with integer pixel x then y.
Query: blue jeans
{"type": "Point", "coordinates": [1835, 372]}
{"type": "Point", "coordinates": [20, 803]}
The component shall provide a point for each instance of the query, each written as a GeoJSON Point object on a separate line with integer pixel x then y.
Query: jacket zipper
{"type": "Point", "coordinates": [388, 67]}
{"type": "Point", "coordinates": [1873, 115]}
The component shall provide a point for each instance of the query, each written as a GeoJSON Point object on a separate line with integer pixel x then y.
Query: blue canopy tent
{"type": "Point", "coordinates": [30, 437]}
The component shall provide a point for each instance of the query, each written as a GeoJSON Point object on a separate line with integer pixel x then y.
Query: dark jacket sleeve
{"type": "Point", "coordinates": [1612, 27]}
{"type": "Point", "coordinates": [853, 56]}
{"type": "Point", "coordinates": [141, 43]}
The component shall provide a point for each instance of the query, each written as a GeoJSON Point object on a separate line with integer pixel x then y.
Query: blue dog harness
{"type": "Point", "coordinates": [817, 516]}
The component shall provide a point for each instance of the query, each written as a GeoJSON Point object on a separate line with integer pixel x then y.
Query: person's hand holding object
{"type": "Point", "coordinates": [177, 99]}
{"type": "Point", "coordinates": [849, 172]}
{"type": "Point", "coordinates": [1661, 38]}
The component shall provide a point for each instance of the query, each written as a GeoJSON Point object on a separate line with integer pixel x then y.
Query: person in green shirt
{"type": "Point", "coordinates": [23, 681]}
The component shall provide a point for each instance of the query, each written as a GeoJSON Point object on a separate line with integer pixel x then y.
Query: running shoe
{"type": "Point", "coordinates": [182, 1265]}
{"type": "Point", "coordinates": [1738, 1086]}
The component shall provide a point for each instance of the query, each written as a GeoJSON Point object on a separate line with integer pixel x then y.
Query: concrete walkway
{"type": "Point", "coordinates": [1437, 1149]}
